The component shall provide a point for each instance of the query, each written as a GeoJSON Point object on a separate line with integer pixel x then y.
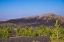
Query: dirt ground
{"type": "Point", "coordinates": [27, 39]}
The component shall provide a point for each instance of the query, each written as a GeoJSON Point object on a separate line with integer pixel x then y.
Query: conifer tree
{"type": "Point", "coordinates": [57, 27]}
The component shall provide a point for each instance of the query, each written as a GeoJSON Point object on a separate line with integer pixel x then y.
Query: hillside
{"type": "Point", "coordinates": [46, 19]}
{"type": "Point", "coordinates": [38, 26]}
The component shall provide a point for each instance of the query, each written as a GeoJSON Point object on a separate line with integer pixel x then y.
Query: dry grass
{"type": "Point", "coordinates": [56, 41]}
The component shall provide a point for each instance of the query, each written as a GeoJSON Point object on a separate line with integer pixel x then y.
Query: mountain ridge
{"type": "Point", "coordinates": [46, 19]}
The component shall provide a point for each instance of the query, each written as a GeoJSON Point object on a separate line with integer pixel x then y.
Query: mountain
{"type": "Point", "coordinates": [2, 19]}
{"type": "Point", "coordinates": [45, 19]}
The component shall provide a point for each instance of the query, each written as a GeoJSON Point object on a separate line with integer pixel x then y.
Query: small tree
{"type": "Point", "coordinates": [42, 30]}
{"type": "Point", "coordinates": [35, 33]}
{"type": "Point", "coordinates": [17, 31]}
{"type": "Point", "coordinates": [61, 33]}
{"type": "Point", "coordinates": [57, 27]}
{"type": "Point", "coordinates": [31, 31]}
{"type": "Point", "coordinates": [5, 34]}
{"type": "Point", "coordinates": [25, 31]}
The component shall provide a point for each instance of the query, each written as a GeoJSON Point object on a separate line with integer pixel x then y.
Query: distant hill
{"type": "Point", "coordinates": [2, 19]}
{"type": "Point", "coordinates": [45, 19]}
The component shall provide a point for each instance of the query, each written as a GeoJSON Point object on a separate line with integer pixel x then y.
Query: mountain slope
{"type": "Point", "coordinates": [46, 19]}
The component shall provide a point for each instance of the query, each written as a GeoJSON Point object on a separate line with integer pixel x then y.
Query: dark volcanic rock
{"type": "Point", "coordinates": [27, 39]}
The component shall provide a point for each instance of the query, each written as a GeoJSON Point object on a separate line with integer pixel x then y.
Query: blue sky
{"type": "Point", "coordinates": [10, 9]}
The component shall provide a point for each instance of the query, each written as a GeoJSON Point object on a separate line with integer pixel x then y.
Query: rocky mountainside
{"type": "Point", "coordinates": [46, 19]}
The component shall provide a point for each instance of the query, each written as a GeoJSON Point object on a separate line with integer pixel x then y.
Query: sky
{"type": "Point", "coordinates": [10, 9]}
